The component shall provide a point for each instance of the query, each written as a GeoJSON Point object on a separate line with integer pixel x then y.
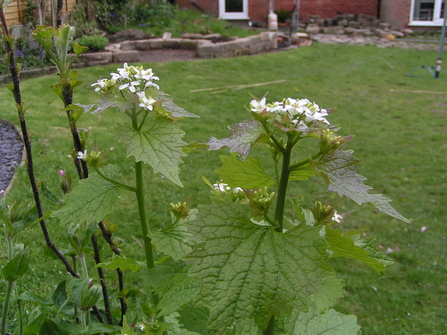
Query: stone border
{"type": "Point", "coordinates": [128, 51]}
{"type": "Point", "coordinates": [11, 182]}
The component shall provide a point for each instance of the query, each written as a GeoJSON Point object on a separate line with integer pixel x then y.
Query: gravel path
{"type": "Point", "coordinates": [11, 153]}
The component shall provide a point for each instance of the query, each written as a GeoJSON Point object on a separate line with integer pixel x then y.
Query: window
{"type": "Point", "coordinates": [427, 12]}
{"type": "Point", "coordinates": [233, 9]}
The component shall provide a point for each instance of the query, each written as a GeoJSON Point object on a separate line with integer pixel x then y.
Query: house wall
{"type": "Point", "coordinates": [258, 10]}
{"type": "Point", "coordinates": [396, 12]}
{"type": "Point", "coordinates": [15, 12]}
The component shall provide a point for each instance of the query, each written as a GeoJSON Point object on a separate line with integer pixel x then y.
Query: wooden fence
{"type": "Point", "coordinates": [15, 12]}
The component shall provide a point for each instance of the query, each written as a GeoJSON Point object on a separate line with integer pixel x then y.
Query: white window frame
{"type": "Point", "coordinates": [437, 20]}
{"type": "Point", "coordinates": [232, 15]}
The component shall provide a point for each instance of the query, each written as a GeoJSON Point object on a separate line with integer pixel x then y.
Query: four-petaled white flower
{"type": "Point", "coordinates": [145, 102]}
{"type": "Point", "coordinates": [337, 217]}
{"type": "Point", "coordinates": [258, 106]}
{"type": "Point", "coordinates": [82, 155]}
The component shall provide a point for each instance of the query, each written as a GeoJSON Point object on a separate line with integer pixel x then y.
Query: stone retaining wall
{"type": "Point", "coordinates": [128, 51]}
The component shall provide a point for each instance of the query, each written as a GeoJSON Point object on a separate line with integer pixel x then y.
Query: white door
{"type": "Point", "coordinates": [233, 9]}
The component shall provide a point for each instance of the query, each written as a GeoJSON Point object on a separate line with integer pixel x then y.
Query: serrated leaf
{"type": "Point", "coordinates": [122, 263]}
{"type": "Point", "coordinates": [178, 329]}
{"type": "Point", "coordinates": [91, 200]}
{"type": "Point", "coordinates": [158, 276]}
{"type": "Point", "coordinates": [250, 272]}
{"type": "Point", "coordinates": [332, 290]}
{"type": "Point", "coordinates": [327, 323]}
{"type": "Point", "coordinates": [176, 111]}
{"type": "Point", "coordinates": [34, 298]}
{"type": "Point", "coordinates": [173, 240]}
{"type": "Point", "coordinates": [194, 319]}
{"type": "Point", "coordinates": [302, 173]}
{"type": "Point", "coordinates": [179, 291]}
{"type": "Point", "coordinates": [159, 146]}
{"type": "Point", "coordinates": [247, 173]}
{"type": "Point", "coordinates": [339, 169]}
{"type": "Point", "coordinates": [243, 136]}
{"type": "Point", "coordinates": [342, 246]}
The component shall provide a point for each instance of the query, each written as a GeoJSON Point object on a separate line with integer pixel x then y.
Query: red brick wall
{"type": "Point", "coordinates": [258, 10]}
{"type": "Point", "coordinates": [396, 12]}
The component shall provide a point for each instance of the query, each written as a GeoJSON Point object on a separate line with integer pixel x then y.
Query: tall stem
{"type": "Point", "coordinates": [8, 292]}
{"type": "Point", "coordinates": [142, 211]}
{"type": "Point", "coordinates": [282, 188]}
{"type": "Point", "coordinates": [140, 201]}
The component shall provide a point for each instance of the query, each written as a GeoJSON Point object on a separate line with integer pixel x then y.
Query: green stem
{"type": "Point", "coordinates": [305, 161]}
{"type": "Point", "coordinates": [6, 305]}
{"type": "Point", "coordinates": [140, 201]}
{"type": "Point", "coordinates": [123, 186]}
{"type": "Point", "coordinates": [282, 188]}
{"type": "Point", "coordinates": [141, 209]}
{"type": "Point", "coordinates": [276, 143]}
{"type": "Point", "coordinates": [83, 266]}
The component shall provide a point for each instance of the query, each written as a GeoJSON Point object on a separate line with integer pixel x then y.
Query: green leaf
{"type": "Point", "coordinates": [194, 319]}
{"type": "Point", "coordinates": [16, 267]}
{"type": "Point", "coordinates": [91, 200]}
{"type": "Point", "coordinates": [78, 49]}
{"type": "Point", "coordinates": [34, 298]}
{"type": "Point", "coordinates": [247, 173]}
{"type": "Point", "coordinates": [342, 246]}
{"type": "Point", "coordinates": [243, 136]}
{"type": "Point", "coordinates": [122, 263]}
{"type": "Point", "coordinates": [176, 111]}
{"type": "Point", "coordinates": [163, 271]}
{"type": "Point", "coordinates": [302, 173]}
{"type": "Point", "coordinates": [100, 328]}
{"type": "Point", "coordinates": [59, 296]}
{"type": "Point", "coordinates": [172, 241]}
{"type": "Point", "coordinates": [44, 35]}
{"type": "Point", "coordinates": [179, 329]}
{"type": "Point", "coordinates": [246, 269]}
{"type": "Point", "coordinates": [328, 323]}
{"type": "Point", "coordinates": [339, 169]}
{"type": "Point", "coordinates": [159, 146]}
{"type": "Point", "coordinates": [179, 291]}
{"type": "Point", "coordinates": [51, 328]}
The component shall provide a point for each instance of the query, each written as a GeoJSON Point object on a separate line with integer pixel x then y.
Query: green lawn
{"type": "Point", "coordinates": [400, 136]}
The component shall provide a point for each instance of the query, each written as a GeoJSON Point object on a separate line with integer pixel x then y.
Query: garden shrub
{"type": "Point", "coordinates": [94, 42]}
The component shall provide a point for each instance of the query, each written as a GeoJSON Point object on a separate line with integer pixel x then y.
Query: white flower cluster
{"type": "Point", "coordinates": [133, 78]}
{"type": "Point", "coordinates": [298, 114]}
{"type": "Point", "coordinates": [224, 189]}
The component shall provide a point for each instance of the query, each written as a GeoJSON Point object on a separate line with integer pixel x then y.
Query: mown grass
{"type": "Point", "coordinates": [400, 136]}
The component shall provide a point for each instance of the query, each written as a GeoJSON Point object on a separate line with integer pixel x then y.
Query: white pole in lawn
{"type": "Point", "coordinates": [441, 44]}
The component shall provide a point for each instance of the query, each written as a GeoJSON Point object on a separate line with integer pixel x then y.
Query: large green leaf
{"type": "Point", "coordinates": [247, 173]}
{"type": "Point", "coordinates": [327, 323]}
{"type": "Point", "coordinates": [91, 200]}
{"type": "Point", "coordinates": [339, 169]}
{"type": "Point", "coordinates": [173, 240]}
{"type": "Point", "coordinates": [175, 111]}
{"type": "Point", "coordinates": [160, 146]}
{"type": "Point", "coordinates": [250, 272]}
{"type": "Point", "coordinates": [243, 136]}
{"type": "Point", "coordinates": [363, 250]}
{"type": "Point", "coordinates": [34, 298]}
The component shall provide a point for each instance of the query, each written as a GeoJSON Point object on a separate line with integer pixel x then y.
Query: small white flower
{"type": "Point", "coordinates": [337, 217]}
{"type": "Point", "coordinates": [130, 85]}
{"type": "Point", "coordinates": [102, 83]}
{"type": "Point", "coordinates": [82, 155]}
{"type": "Point", "coordinates": [258, 106]}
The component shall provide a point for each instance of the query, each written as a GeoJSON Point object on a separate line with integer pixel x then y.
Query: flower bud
{"type": "Point", "coordinates": [260, 201]}
{"type": "Point", "coordinates": [323, 214]}
{"type": "Point", "coordinates": [180, 210]}
{"type": "Point", "coordinates": [330, 141]}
